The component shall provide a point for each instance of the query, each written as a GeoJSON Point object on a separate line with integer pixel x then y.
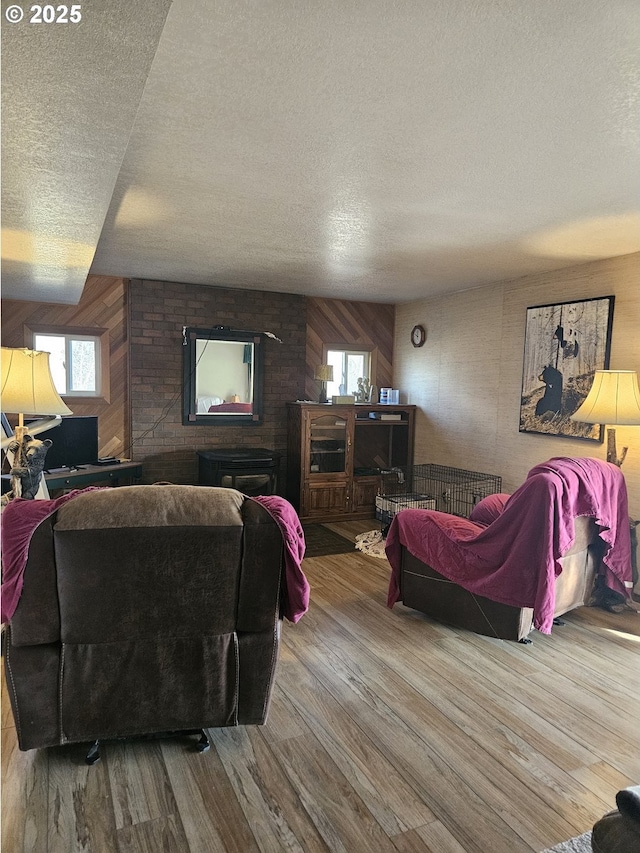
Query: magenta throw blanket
{"type": "Point", "coordinates": [296, 601]}
{"type": "Point", "coordinates": [21, 517]}
{"type": "Point", "coordinates": [515, 559]}
{"type": "Point", "coordinates": [19, 521]}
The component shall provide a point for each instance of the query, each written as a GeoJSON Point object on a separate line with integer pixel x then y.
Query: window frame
{"type": "Point", "coordinates": [357, 349]}
{"type": "Point", "coordinates": [78, 333]}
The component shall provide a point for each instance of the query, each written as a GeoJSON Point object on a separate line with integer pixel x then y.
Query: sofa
{"type": "Point", "coordinates": [520, 561]}
{"type": "Point", "coordinates": [146, 609]}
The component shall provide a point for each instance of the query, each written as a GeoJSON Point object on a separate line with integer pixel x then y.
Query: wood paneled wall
{"type": "Point", "coordinates": [334, 321]}
{"type": "Point", "coordinates": [467, 377]}
{"type": "Point", "coordinates": [103, 305]}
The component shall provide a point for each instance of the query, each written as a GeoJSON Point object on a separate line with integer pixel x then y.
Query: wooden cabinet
{"type": "Point", "coordinates": [337, 453]}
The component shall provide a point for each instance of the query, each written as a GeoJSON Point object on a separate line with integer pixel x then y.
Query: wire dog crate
{"type": "Point", "coordinates": [430, 486]}
{"type": "Point", "coordinates": [388, 505]}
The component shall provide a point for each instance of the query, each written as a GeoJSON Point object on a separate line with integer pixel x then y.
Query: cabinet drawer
{"type": "Point", "coordinates": [323, 500]}
{"type": "Point", "coordinates": [365, 491]}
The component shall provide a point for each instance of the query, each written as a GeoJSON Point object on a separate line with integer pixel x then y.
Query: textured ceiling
{"type": "Point", "coordinates": [70, 93]}
{"type": "Point", "coordinates": [377, 150]}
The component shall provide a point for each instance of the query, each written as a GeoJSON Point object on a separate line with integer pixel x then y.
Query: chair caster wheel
{"type": "Point", "coordinates": [203, 744]}
{"type": "Point", "coordinates": [93, 756]}
{"type": "Point", "coordinates": [525, 641]}
{"type": "Point", "coordinates": [557, 621]}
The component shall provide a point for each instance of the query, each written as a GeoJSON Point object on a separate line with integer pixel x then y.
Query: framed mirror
{"type": "Point", "coordinates": [222, 377]}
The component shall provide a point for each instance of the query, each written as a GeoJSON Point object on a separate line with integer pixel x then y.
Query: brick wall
{"type": "Point", "coordinates": [159, 310]}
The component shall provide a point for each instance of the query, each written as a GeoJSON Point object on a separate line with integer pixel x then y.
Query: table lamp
{"type": "Point", "coordinates": [324, 372]}
{"type": "Point", "coordinates": [614, 399]}
{"type": "Point", "coordinates": [27, 388]}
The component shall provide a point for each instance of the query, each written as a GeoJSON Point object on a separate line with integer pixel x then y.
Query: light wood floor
{"type": "Point", "coordinates": [387, 733]}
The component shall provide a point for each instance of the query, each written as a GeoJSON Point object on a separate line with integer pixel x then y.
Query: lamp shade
{"type": "Point", "coordinates": [27, 385]}
{"type": "Point", "coordinates": [324, 372]}
{"type": "Point", "coordinates": [614, 399]}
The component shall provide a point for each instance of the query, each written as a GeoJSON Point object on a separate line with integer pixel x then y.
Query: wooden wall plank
{"type": "Point", "coordinates": [334, 321]}
{"type": "Point", "coordinates": [103, 305]}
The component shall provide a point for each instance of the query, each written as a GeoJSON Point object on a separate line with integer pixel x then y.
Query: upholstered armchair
{"type": "Point", "coordinates": [522, 560]}
{"type": "Point", "coordinates": [619, 830]}
{"type": "Point", "coordinates": [148, 609]}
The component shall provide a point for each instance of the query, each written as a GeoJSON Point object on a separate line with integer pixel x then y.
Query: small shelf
{"type": "Point", "coordinates": [378, 422]}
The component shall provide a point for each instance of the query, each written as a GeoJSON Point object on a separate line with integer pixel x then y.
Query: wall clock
{"type": "Point", "coordinates": [418, 336]}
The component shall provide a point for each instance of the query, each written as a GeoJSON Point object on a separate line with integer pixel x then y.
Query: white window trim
{"type": "Point", "coordinates": [356, 349]}
{"type": "Point", "coordinates": [102, 393]}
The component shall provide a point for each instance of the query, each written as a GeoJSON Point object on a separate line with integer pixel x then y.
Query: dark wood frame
{"type": "Point", "coordinates": [190, 414]}
{"type": "Point", "coordinates": [564, 344]}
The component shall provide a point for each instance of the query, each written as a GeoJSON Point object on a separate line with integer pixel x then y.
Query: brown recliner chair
{"type": "Point", "coordinates": [425, 589]}
{"type": "Point", "coordinates": [146, 609]}
{"type": "Point", "coordinates": [619, 830]}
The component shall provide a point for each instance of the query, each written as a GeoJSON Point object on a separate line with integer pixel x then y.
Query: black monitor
{"type": "Point", "coordinates": [75, 442]}
{"type": "Point", "coordinates": [6, 426]}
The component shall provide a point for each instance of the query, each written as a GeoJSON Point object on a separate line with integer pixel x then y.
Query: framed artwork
{"type": "Point", "coordinates": [564, 345]}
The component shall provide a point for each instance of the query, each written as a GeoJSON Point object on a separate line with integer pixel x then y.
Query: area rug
{"type": "Point", "coordinates": [581, 844]}
{"type": "Point", "coordinates": [322, 542]}
{"type": "Point", "coordinates": [371, 543]}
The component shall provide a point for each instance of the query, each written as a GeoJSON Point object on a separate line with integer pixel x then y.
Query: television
{"type": "Point", "coordinates": [75, 442]}
{"type": "Point", "coordinates": [7, 430]}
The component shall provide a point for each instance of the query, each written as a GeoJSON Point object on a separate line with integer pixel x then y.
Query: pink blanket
{"type": "Point", "coordinates": [243, 408]}
{"type": "Point", "coordinates": [21, 517]}
{"type": "Point", "coordinates": [19, 521]}
{"type": "Point", "coordinates": [515, 559]}
{"type": "Point", "coordinates": [296, 601]}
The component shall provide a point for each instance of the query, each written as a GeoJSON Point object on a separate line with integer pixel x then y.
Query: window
{"type": "Point", "coordinates": [79, 359]}
{"type": "Point", "coordinates": [349, 365]}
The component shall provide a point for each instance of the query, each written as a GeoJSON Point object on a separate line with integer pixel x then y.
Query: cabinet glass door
{"type": "Point", "coordinates": [328, 443]}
